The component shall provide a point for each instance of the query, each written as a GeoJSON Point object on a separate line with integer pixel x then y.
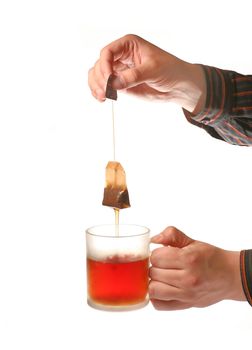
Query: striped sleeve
{"type": "Point", "coordinates": [227, 114]}
{"type": "Point", "coordinates": [246, 273]}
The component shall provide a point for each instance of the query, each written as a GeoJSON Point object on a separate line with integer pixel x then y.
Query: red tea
{"type": "Point", "coordinates": [117, 281]}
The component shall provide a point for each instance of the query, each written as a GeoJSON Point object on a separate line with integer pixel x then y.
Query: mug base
{"type": "Point", "coordinates": [107, 307]}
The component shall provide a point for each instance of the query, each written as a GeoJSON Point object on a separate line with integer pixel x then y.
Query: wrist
{"type": "Point", "coordinates": [190, 88]}
{"type": "Point", "coordinates": [234, 286]}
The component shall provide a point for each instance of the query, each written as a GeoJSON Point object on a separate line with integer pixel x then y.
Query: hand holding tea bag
{"type": "Point", "coordinates": [115, 192]}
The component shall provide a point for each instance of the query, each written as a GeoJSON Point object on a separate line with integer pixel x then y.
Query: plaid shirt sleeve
{"type": "Point", "coordinates": [227, 116]}
{"type": "Point", "coordinates": [246, 273]}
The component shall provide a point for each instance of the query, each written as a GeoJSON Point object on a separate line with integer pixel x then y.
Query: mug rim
{"type": "Point", "coordinates": [145, 228]}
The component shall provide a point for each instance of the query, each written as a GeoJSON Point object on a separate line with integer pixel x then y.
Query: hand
{"type": "Point", "coordinates": [143, 69]}
{"type": "Point", "coordinates": [187, 273]}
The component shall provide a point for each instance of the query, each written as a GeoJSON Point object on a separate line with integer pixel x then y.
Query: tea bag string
{"type": "Point", "coordinates": [113, 130]}
{"type": "Point", "coordinates": [112, 94]}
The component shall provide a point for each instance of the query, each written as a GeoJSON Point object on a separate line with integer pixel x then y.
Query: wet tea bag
{"type": "Point", "coordinates": [115, 192]}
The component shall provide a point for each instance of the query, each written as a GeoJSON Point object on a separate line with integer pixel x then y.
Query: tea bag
{"type": "Point", "coordinates": [115, 192]}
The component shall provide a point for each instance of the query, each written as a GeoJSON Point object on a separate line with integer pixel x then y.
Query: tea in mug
{"type": "Point", "coordinates": [118, 281]}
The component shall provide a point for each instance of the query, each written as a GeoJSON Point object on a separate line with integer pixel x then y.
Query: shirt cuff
{"type": "Point", "coordinates": [246, 273]}
{"type": "Point", "coordinates": [217, 105]}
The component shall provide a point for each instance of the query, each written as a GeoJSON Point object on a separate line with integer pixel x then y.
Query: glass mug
{"type": "Point", "coordinates": [117, 267]}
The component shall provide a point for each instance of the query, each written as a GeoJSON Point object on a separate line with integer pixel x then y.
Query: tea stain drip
{"type": "Point", "coordinates": [116, 211]}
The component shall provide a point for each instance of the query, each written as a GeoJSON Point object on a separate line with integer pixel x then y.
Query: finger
{"type": "Point", "coordinates": [168, 276]}
{"type": "Point", "coordinates": [163, 291]}
{"type": "Point", "coordinates": [126, 51]}
{"type": "Point", "coordinates": [96, 82]}
{"type": "Point", "coordinates": [99, 81]}
{"type": "Point", "coordinates": [119, 66]}
{"type": "Point", "coordinates": [167, 258]}
{"type": "Point", "coordinates": [94, 86]}
{"type": "Point", "coordinates": [170, 305]}
{"type": "Point", "coordinates": [91, 80]}
{"type": "Point", "coordinates": [109, 54]}
{"type": "Point", "coordinates": [172, 236]}
{"type": "Point", "coordinates": [131, 77]}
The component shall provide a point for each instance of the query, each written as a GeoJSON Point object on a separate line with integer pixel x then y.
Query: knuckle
{"type": "Point", "coordinates": [152, 289]}
{"type": "Point", "coordinates": [90, 76]}
{"type": "Point", "coordinates": [191, 282]}
{"type": "Point", "coordinates": [90, 71]}
{"type": "Point", "coordinates": [191, 259]}
{"type": "Point", "coordinates": [103, 51]}
{"type": "Point", "coordinates": [155, 256]}
{"type": "Point", "coordinates": [154, 274]}
{"type": "Point", "coordinates": [171, 229]}
{"type": "Point", "coordinates": [134, 75]}
{"type": "Point", "coordinates": [130, 36]}
{"type": "Point", "coordinates": [154, 62]}
{"type": "Point", "coordinates": [151, 272]}
{"type": "Point", "coordinates": [171, 233]}
{"type": "Point", "coordinates": [157, 305]}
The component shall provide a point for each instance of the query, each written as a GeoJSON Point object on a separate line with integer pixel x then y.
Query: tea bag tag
{"type": "Point", "coordinates": [110, 92]}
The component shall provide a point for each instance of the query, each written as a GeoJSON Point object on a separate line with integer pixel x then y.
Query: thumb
{"type": "Point", "coordinates": [130, 77]}
{"type": "Point", "coordinates": [173, 237]}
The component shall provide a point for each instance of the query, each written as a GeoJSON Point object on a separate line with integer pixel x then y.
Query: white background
{"type": "Point", "coordinates": [55, 141]}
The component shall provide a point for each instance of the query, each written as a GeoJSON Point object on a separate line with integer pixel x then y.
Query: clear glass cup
{"type": "Point", "coordinates": [117, 266]}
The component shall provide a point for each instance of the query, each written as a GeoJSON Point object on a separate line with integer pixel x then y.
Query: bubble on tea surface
{"type": "Point", "coordinates": [123, 258]}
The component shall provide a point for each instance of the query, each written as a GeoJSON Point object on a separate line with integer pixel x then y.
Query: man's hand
{"type": "Point", "coordinates": [187, 273]}
{"type": "Point", "coordinates": [145, 70]}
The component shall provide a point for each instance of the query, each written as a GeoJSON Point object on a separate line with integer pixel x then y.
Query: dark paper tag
{"type": "Point", "coordinates": [110, 92]}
